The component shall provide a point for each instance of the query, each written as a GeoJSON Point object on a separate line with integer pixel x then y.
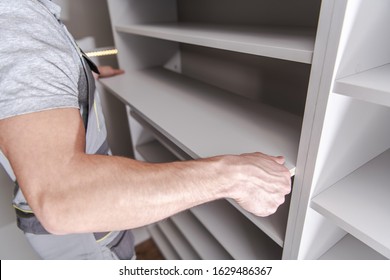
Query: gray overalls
{"type": "Point", "coordinates": [105, 245]}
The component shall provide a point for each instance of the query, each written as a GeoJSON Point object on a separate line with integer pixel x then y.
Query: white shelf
{"type": "Point", "coordinates": [199, 237]}
{"type": "Point", "coordinates": [274, 225]}
{"type": "Point", "coordinates": [162, 243]}
{"type": "Point", "coordinates": [359, 203]}
{"type": "Point", "coordinates": [350, 248]}
{"type": "Point", "coordinates": [177, 240]}
{"type": "Point", "coordinates": [155, 152]}
{"type": "Point", "coordinates": [294, 44]}
{"type": "Point", "coordinates": [241, 239]}
{"type": "Point", "coordinates": [205, 121]}
{"type": "Point", "coordinates": [371, 86]}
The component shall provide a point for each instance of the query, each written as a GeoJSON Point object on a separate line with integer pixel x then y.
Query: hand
{"type": "Point", "coordinates": [108, 71]}
{"type": "Point", "coordinates": [259, 183]}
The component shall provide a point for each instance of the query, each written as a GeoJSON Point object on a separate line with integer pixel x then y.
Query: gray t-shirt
{"type": "Point", "coordinates": [40, 66]}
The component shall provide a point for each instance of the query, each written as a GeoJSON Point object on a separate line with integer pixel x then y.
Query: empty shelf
{"type": "Point", "coordinates": [294, 44]}
{"type": "Point", "coordinates": [154, 151]}
{"type": "Point", "coordinates": [372, 85]}
{"type": "Point", "coordinates": [199, 237]}
{"type": "Point", "coordinates": [274, 225]}
{"type": "Point", "coordinates": [205, 121]}
{"type": "Point", "coordinates": [367, 211]}
{"type": "Point", "coordinates": [240, 238]}
{"type": "Point", "coordinates": [162, 243]}
{"type": "Point", "coordinates": [350, 248]}
{"type": "Point", "coordinates": [177, 240]}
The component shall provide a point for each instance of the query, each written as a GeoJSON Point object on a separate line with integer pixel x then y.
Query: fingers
{"type": "Point", "coordinates": [108, 71]}
{"type": "Point", "coordinates": [267, 182]}
{"type": "Point", "coordinates": [118, 71]}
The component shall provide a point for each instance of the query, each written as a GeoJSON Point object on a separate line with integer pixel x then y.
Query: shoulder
{"type": "Point", "coordinates": [30, 25]}
{"type": "Point", "coordinates": [37, 60]}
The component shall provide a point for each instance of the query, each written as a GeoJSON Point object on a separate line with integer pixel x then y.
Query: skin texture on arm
{"type": "Point", "coordinates": [73, 192]}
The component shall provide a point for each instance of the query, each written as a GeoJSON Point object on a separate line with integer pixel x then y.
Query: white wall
{"type": "Point", "coordinates": [87, 18]}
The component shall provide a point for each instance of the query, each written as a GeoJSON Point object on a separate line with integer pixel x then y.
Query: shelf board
{"type": "Point", "coordinates": [240, 238]}
{"type": "Point", "coordinates": [274, 225]}
{"type": "Point", "coordinates": [203, 120]}
{"type": "Point", "coordinates": [155, 152]}
{"type": "Point", "coordinates": [366, 214]}
{"type": "Point", "coordinates": [372, 85]}
{"type": "Point", "coordinates": [162, 243]}
{"type": "Point", "coordinates": [177, 240]}
{"type": "Point", "coordinates": [294, 44]}
{"type": "Point", "coordinates": [199, 237]}
{"type": "Point", "coordinates": [350, 248]}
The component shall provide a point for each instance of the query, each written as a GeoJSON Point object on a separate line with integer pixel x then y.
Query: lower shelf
{"type": "Point", "coordinates": [371, 85]}
{"type": "Point", "coordinates": [274, 225]}
{"type": "Point", "coordinates": [350, 248]}
{"type": "Point", "coordinates": [163, 244]}
{"type": "Point", "coordinates": [155, 152]}
{"type": "Point", "coordinates": [239, 236]}
{"type": "Point", "coordinates": [178, 241]}
{"type": "Point", "coordinates": [367, 214]}
{"type": "Point", "coordinates": [207, 247]}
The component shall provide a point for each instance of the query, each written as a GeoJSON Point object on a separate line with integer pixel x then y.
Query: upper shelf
{"type": "Point", "coordinates": [372, 85]}
{"type": "Point", "coordinates": [294, 44]}
{"type": "Point", "coordinates": [367, 191]}
{"type": "Point", "coordinates": [205, 121]}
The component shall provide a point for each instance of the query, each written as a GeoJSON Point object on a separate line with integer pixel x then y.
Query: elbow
{"type": "Point", "coordinates": [47, 207]}
{"type": "Point", "coordinates": [51, 223]}
{"type": "Point", "coordinates": [51, 220]}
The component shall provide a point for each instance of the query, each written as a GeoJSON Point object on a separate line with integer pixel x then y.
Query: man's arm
{"type": "Point", "coordinates": [72, 192]}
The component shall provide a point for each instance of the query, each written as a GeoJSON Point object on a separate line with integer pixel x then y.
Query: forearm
{"type": "Point", "coordinates": [72, 192]}
{"type": "Point", "coordinates": [102, 193]}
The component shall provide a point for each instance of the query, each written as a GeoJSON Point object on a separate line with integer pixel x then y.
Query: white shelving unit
{"type": "Point", "coordinates": [292, 78]}
{"type": "Point", "coordinates": [347, 185]}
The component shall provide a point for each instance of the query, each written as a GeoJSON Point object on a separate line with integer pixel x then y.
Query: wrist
{"type": "Point", "coordinates": [221, 176]}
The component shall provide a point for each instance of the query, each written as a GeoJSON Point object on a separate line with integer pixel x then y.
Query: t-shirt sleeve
{"type": "Point", "coordinates": [37, 68]}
